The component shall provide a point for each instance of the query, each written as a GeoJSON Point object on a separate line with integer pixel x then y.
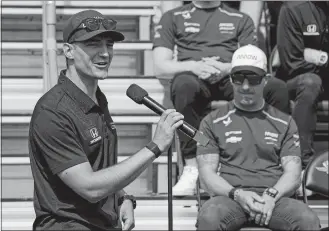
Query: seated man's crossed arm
{"type": "Point", "coordinates": [215, 184]}
{"type": "Point", "coordinates": [291, 163]}
{"type": "Point", "coordinates": [168, 32]}
{"type": "Point", "coordinates": [165, 64]}
{"type": "Point", "coordinates": [291, 178]}
{"type": "Point", "coordinates": [218, 186]}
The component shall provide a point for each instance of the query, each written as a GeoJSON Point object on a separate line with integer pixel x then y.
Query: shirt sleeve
{"type": "Point", "coordinates": [212, 146]}
{"type": "Point", "coordinates": [56, 142]}
{"type": "Point", "coordinates": [290, 45]}
{"type": "Point", "coordinates": [290, 144]}
{"type": "Point", "coordinates": [247, 32]}
{"type": "Point", "coordinates": [164, 32]}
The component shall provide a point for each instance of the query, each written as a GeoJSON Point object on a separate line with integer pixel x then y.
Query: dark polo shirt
{"type": "Point", "coordinates": [202, 33]}
{"type": "Point", "coordinates": [67, 128]}
{"type": "Point", "coordinates": [250, 144]}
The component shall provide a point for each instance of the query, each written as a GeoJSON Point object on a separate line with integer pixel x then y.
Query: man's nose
{"type": "Point", "coordinates": [245, 84]}
{"type": "Point", "coordinates": [104, 52]}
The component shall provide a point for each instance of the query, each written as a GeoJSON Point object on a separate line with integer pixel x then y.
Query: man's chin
{"type": "Point", "coordinates": [247, 102]}
{"type": "Point", "coordinates": [100, 75]}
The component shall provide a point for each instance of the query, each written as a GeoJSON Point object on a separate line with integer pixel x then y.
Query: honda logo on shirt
{"type": "Point", "coordinates": [93, 133]}
{"type": "Point", "coordinates": [311, 28]}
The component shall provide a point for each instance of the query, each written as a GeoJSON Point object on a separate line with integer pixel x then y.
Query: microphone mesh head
{"type": "Point", "coordinates": [136, 93]}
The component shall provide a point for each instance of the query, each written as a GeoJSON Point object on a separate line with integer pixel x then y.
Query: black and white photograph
{"type": "Point", "coordinates": [164, 115]}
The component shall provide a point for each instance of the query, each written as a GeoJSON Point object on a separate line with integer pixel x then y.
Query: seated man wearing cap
{"type": "Point", "coordinates": [257, 148]}
{"type": "Point", "coordinates": [73, 141]}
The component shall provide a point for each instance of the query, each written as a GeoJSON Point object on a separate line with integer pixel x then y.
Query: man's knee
{"type": "Point", "coordinates": [309, 84]}
{"type": "Point", "coordinates": [220, 215]}
{"type": "Point", "coordinates": [276, 93]}
{"type": "Point", "coordinates": [307, 220]}
{"type": "Point", "coordinates": [291, 214]}
{"type": "Point", "coordinates": [211, 215]}
{"type": "Point", "coordinates": [277, 84]}
{"type": "Point", "coordinates": [278, 89]}
{"type": "Point", "coordinates": [310, 80]}
{"type": "Point", "coordinates": [185, 82]}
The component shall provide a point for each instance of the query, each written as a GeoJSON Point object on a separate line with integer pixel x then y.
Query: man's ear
{"type": "Point", "coordinates": [68, 50]}
{"type": "Point", "coordinates": [266, 78]}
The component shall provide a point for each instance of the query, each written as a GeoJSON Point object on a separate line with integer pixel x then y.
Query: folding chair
{"type": "Point", "coordinates": [315, 177]}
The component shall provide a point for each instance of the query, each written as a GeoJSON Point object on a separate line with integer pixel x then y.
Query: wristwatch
{"type": "Point", "coordinates": [127, 197]}
{"type": "Point", "coordinates": [232, 193]}
{"type": "Point", "coordinates": [153, 147]}
{"type": "Point", "coordinates": [323, 58]}
{"type": "Point", "coordinates": [272, 192]}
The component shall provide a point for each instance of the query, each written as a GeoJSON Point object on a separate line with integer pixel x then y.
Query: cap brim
{"type": "Point", "coordinates": [116, 36]}
{"type": "Point", "coordinates": [257, 70]}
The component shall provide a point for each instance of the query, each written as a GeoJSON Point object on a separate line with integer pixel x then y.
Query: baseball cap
{"type": "Point", "coordinates": [249, 58]}
{"type": "Point", "coordinates": [70, 32]}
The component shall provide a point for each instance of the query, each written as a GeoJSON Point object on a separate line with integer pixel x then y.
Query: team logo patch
{"type": "Point", "coordinates": [186, 15]}
{"type": "Point", "coordinates": [296, 141]}
{"type": "Point", "coordinates": [226, 28]}
{"type": "Point", "coordinates": [94, 135]}
{"type": "Point", "coordinates": [233, 139]}
{"type": "Point", "coordinates": [156, 31]}
{"type": "Point", "coordinates": [311, 29]}
{"type": "Point", "coordinates": [112, 125]}
{"type": "Point", "coordinates": [191, 24]}
{"type": "Point", "coordinates": [192, 29]}
{"type": "Point", "coordinates": [271, 138]}
{"type": "Point", "coordinates": [227, 121]}
{"type": "Point", "coordinates": [93, 132]}
{"type": "Point", "coordinates": [233, 132]}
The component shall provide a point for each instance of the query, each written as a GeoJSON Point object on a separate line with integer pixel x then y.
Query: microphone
{"type": "Point", "coordinates": [140, 96]}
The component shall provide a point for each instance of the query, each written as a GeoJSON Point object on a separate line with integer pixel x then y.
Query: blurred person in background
{"type": "Point", "coordinates": [303, 45]}
{"type": "Point", "coordinates": [206, 33]}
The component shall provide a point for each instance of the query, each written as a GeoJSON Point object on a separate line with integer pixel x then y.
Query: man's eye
{"type": "Point", "coordinates": [109, 44]}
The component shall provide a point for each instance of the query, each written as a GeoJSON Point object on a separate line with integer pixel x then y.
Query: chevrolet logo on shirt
{"type": "Point", "coordinates": [192, 29]}
{"type": "Point", "coordinates": [233, 139]}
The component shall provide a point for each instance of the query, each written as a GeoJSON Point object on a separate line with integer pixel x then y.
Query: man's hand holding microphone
{"type": "Point", "coordinates": [169, 121]}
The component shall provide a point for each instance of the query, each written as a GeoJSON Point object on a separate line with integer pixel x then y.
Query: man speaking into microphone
{"type": "Point", "coordinates": [73, 145]}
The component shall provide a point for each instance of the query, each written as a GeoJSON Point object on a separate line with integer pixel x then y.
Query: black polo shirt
{"type": "Point", "coordinates": [67, 128]}
{"type": "Point", "coordinates": [250, 144]}
{"type": "Point", "coordinates": [302, 24]}
{"type": "Point", "coordinates": [201, 33]}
